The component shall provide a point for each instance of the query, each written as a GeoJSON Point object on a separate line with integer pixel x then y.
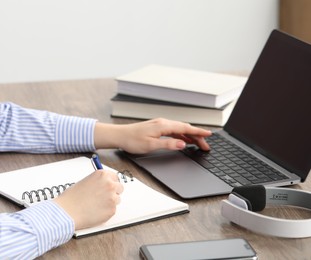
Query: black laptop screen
{"type": "Point", "coordinates": [273, 113]}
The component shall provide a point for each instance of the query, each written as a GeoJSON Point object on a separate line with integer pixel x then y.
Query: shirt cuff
{"type": "Point", "coordinates": [74, 134]}
{"type": "Point", "coordinates": [51, 225]}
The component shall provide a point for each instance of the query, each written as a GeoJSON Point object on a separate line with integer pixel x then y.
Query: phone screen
{"type": "Point", "coordinates": [236, 248]}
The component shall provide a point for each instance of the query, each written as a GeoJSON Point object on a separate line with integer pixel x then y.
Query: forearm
{"type": "Point", "coordinates": [109, 135]}
{"type": "Point", "coordinates": [32, 232]}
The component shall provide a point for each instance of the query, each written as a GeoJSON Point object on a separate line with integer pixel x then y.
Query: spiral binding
{"type": "Point", "coordinates": [45, 193]}
{"type": "Point", "coordinates": [125, 175]}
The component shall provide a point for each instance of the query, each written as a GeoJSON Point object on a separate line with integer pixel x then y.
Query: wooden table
{"type": "Point", "coordinates": [90, 98]}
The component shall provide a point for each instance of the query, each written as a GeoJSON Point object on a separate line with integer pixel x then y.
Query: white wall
{"type": "Point", "coordinates": [75, 39]}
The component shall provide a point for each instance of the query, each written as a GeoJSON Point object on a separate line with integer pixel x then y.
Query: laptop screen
{"type": "Point", "coordinates": [273, 113]}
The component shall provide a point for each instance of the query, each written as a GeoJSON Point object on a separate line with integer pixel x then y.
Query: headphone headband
{"type": "Point", "coordinates": [237, 209]}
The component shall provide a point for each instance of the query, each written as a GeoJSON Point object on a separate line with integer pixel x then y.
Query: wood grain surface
{"type": "Point", "coordinates": [91, 98]}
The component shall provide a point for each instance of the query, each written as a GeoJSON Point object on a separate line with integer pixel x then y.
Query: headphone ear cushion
{"type": "Point", "coordinates": [248, 203]}
{"type": "Point", "coordinates": [253, 194]}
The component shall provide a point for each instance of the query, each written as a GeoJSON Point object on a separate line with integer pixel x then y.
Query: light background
{"type": "Point", "coordinates": [75, 39]}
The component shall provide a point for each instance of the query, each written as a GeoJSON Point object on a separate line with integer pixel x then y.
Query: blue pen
{"type": "Point", "coordinates": [96, 162]}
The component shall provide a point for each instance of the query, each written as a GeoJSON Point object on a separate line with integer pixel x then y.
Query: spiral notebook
{"type": "Point", "coordinates": [139, 202]}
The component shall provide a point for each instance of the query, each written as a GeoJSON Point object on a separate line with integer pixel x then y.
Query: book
{"type": "Point", "coordinates": [185, 86]}
{"type": "Point", "coordinates": [139, 202]}
{"type": "Point", "coordinates": [143, 108]}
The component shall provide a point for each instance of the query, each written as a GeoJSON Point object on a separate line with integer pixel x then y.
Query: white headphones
{"type": "Point", "coordinates": [243, 201]}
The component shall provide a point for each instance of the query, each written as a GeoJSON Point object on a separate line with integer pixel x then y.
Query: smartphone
{"type": "Point", "coordinates": [235, 248]}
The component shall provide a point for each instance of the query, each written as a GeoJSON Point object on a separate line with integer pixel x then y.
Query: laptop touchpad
{"type": "Point", "coordinates": [183, 176]}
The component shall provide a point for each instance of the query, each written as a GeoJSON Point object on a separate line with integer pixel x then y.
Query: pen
{"type": "Point", "coordinates": [96, 162]}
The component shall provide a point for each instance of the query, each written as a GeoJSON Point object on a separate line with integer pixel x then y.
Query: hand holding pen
{"type": "Point", "coordinates": [94, 199]}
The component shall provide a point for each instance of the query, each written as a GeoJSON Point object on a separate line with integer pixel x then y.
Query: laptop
{"type": "Point", "coordinates": [266, 140]}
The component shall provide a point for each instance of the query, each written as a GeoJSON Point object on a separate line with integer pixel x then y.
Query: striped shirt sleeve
{"type": "Point", "coordinates": [31, 232]}
{"type": "Point", "coordinates": [37, 131]}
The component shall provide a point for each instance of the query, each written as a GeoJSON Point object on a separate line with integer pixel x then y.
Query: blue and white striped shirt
{"type": "Point", "coordinates": [33, 231]}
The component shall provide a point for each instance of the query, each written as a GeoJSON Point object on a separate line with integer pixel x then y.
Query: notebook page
{"type": "Point", "coordinates": [139, 203]}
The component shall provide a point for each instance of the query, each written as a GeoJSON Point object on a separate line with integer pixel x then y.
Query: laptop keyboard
{"type": "Point", "coordinates": [232, 164]}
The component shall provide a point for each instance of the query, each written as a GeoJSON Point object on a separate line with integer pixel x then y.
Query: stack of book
{"type": "Point", "coordinates": [196, 97]}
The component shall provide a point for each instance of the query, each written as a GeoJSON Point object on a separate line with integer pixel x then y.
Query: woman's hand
{"type": "Point", "coordinates": [149, 135]}
{"type": "Point", "coordinates": [92, 200]}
